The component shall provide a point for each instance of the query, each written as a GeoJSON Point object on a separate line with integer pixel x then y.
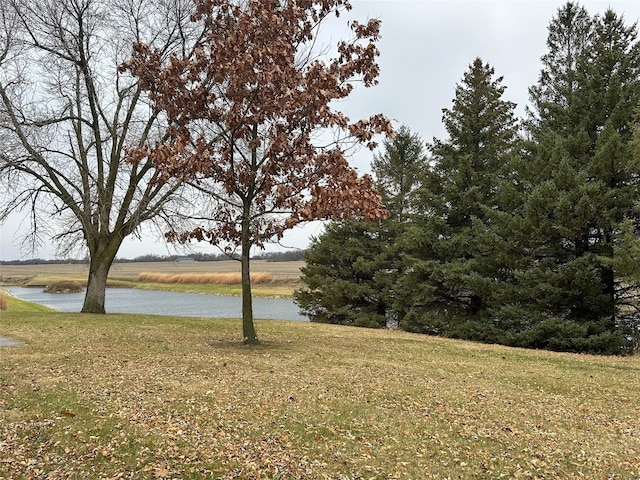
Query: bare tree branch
{"type": "Point", "coordinates": [68, 116]}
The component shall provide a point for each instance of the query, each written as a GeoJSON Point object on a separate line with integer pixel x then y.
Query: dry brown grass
{"type": "Point", "coordinates": [203, 278]}
{"type": "Point", "coordinates": [285, 276]}
{"type": "Point", "coordinates": [64, 286]}
{"type": "Point", "coordinates": [133, 396]}
{"type": "Point", "coordinates": [279, 270]}
{"type": "Point", "coordinates": [3, 301]}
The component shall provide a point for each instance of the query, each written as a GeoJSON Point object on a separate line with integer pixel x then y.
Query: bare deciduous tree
{"type": "Point", "coordinates": [68, 118]}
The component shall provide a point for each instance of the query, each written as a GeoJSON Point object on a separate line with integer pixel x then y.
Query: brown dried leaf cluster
{"type": "Point", "coordinates": [245, 108]}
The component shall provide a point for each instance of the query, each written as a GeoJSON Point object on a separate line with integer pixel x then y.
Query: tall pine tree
{"type": "Point", "coordinates": [450, 250]}
{"type": "Point", "coordinates": [350, 269]}
{"type": "Point", "coordinates": [582, 183]}
{"type": "Point", "coordinates": [397, 170]}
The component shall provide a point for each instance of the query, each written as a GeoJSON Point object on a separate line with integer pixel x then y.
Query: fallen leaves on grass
{"type": "Point", "coordinates": [148, 397]}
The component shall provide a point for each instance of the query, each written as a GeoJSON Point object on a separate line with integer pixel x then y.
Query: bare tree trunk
{"type": "Point", "coordinates": [248, 329]}
{"type": "Point", "coordinates": [96, 285]}
{"type": "Point", "coordinates": [99, 266]}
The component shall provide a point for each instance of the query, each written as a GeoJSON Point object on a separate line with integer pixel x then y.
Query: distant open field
{"type": "Point", "coordinates": [286, 275]}
{"type": "Point", "coordinates": [129, 271]}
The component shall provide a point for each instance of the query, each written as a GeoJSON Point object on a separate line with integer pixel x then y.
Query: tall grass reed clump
{"type": "Point", "coordinates": [203, 278]}
{"type": "Point", "coordinates": [64, 286]}
{"type": "Point", "coordinates": [3, 301]}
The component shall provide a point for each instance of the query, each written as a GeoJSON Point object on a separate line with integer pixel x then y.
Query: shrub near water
{"type": "Point", "coordinates": [64, 286]}
{"type": "Point", "coordinates": [203, 278]}
{"type": "Point", "coordinates": [3, 301]}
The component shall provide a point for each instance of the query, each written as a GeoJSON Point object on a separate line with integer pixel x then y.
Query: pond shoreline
{"type": "Point", "coordinates": [285, 275]}
{"type": "Point", "coordinates": [163, 302]}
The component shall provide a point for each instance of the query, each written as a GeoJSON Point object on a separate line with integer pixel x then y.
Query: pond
{"type": "Point", "coordinates": [130, 300]}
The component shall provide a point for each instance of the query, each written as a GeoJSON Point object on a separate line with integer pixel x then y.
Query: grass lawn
{"type": "Point", "coordinates": [150, 397]}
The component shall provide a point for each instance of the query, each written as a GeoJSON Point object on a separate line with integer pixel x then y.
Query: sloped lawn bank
{"type": "Point", "coordinates": [144, 397]}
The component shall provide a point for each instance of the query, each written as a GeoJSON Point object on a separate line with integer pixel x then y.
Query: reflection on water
{"type": "Point", "coordinates": [130, 300]}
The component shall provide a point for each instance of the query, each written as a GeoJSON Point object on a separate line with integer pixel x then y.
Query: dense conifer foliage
{"type": "Point", "coordinates": [347, 275]}
{"type": "Point", "coordinates": [575, 292]}
{"type": "Point", "coordinates": [351, 268]}
{"type": "Point", "coordinates": [520, 233]}
{"type": "Point", "coordinates": [452, 252]}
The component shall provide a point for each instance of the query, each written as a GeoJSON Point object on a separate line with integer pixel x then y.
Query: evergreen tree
{"type": "Point", "coordinates": [351, 268]}
{"type": "Point", "coordinates": [582, 185]}
{"type": "Point", "coordinates": [452, 254]}
{"type": "Point", "coordinates": [529, 242]}
{"type": "Point", "coordinates": [569, 34]}
{"type": "Point", "coordinates": [397, 170]}
{"type": "Point", "coordinates": [345, 275]}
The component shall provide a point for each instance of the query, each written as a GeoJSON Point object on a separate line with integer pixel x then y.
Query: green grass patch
{"type": "Point", "coordinates": [139, 396]}
{"type": "Point", "coordinates": [16, 305]}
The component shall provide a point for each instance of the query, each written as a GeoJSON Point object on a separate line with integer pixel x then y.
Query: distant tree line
{"type": "Point", "coordinates": [518, 232]}
{"type": "Point", "coordinates": [287, 256]}
{"type": "Point", "coordinates": [197, 257]}
{"type": "Point", "coordinates": [42, 261]}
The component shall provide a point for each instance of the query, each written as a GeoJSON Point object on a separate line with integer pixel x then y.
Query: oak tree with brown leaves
{"type": "Point", "coordinates": [249, 110]}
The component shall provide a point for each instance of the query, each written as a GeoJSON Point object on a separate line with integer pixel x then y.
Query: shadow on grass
{"type": "Point", "coordinates": [227, 344]}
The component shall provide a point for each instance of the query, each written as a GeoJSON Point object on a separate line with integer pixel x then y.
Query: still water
{"type": "Point", "coordinates": [130, 300]}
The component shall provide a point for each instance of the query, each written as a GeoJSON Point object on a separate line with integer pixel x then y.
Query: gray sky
{"type": "Point", "coordinates": [426, 47]}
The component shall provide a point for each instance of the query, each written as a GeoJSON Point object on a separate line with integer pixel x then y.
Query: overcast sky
{"type": "Point", "coordinates": [426, 47]}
